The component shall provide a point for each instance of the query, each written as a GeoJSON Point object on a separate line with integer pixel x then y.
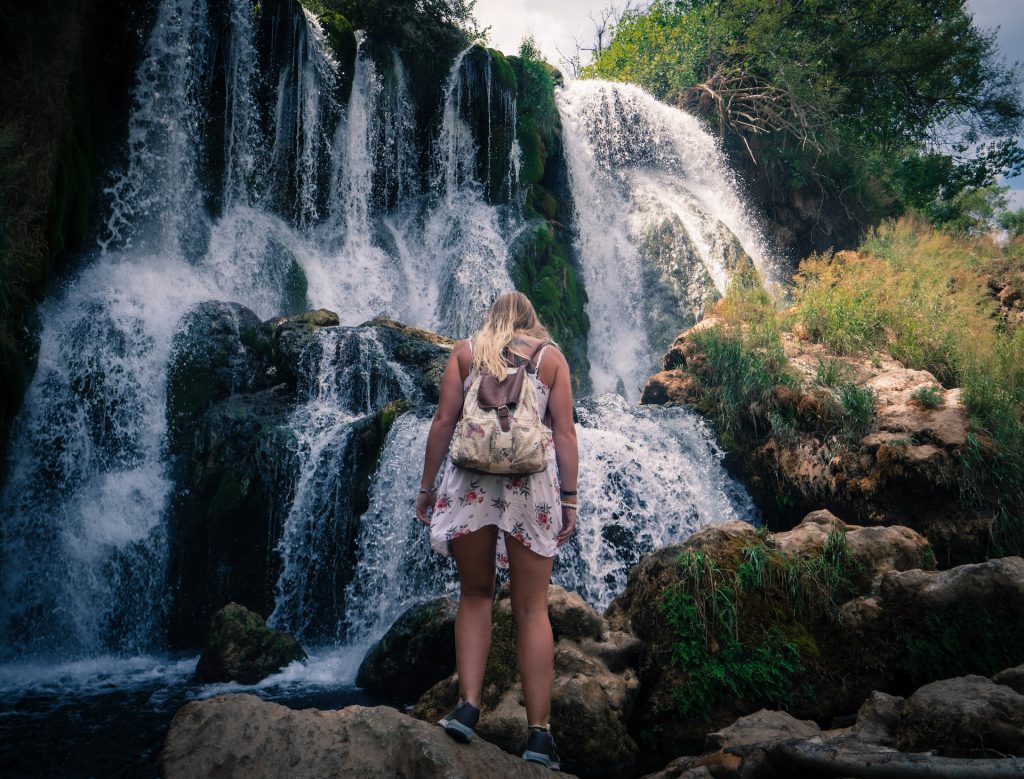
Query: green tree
{"type": "Point", "coordinates": [890, 104]}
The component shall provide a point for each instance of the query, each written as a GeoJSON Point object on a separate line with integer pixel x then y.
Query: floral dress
{"type": "Point", "coordinates": [528, 507]}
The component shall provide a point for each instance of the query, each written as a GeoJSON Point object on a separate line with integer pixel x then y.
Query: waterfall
{"type": "Point", "coordinates": [345, 378]}
{"type": "Point", "coordinates": [659, 223]}
{"type": "Point", "coordinates": [257, 170]}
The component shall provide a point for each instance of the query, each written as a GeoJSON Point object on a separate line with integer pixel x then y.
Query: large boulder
{"type": "Point", "coordinates": [248, 738]}
{"type": "Point", "coordinates": [219, 350]}
{"type": "Point", "coordinates": [1011, 677]}
{"type": "Point", "coordinates": [416, 653]}
{"type": "Point", "coordinates": [968, 716]}
{"type": "Point", "coordinates": [233, 483]}
{"type": "Point", "coordinates": [592, 692]}
{"type": "Point", "coordinates": [876, 549]}
{"type": "Point", "coordinates": [241, 648]}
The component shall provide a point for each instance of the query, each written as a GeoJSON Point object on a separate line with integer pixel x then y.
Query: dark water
{"type": "Point", "coordinates": [108, 716]}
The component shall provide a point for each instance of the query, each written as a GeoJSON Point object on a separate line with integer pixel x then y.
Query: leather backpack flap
{"type": "Point", "coordinates": [501, 395]}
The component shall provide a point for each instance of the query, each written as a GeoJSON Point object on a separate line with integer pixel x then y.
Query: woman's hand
{"type": "Point", "coordinates": [424, 503]}
{"type": "Point", "coordinates": [568, 522]}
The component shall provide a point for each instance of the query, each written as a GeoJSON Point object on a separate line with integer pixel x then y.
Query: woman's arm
{"type": "Point", "coordinates": [449, 408]}
{"type": "Point", "coordinates": [566, 449]}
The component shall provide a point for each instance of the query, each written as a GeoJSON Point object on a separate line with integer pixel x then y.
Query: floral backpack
{"type": "Point", "coordinates": [500, 431]}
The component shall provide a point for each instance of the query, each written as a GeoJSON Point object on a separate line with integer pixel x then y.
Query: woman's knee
{"type": "Point", "coordinates": [478, 588]}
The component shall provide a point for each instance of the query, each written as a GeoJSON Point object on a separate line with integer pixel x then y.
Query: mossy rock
{"type": "Point", "coordinates": [243, 649]}
{"type": "Point", "coordinates": [417, 652]}
{"type": "Point", "coordinates": [340, 36]}
{"type": "Point", "coordinates": [542, 271]}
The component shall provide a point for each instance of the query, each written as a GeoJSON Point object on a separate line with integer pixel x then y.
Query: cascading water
{"type": "Point", "coordinates": [259, 171]}
{"type": "Point", "coordinates": [346, 377]}
{"type": "Point", "coordinates": [659, 223]}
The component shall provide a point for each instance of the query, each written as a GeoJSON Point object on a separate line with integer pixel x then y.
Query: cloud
{"type": "Point", "coordinates": [554, 25]}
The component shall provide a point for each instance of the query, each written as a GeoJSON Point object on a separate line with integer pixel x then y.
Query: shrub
{"type": "Point", "coordinates": [927, 397]}
{"type": "Point", "coordinates": [737, 624]}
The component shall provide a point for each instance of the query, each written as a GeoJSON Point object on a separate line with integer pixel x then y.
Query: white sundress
{"type": "Point", "coordinates": [528, 508]}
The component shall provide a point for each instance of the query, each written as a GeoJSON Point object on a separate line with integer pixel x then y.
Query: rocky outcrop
{"type": "Point", "coordinates": [871, 440]}
{"type": "Point", "coordinates": [416, 653]}
{"type": "Point", "coordinates": [220, 350]}
{"type": "Point", "coordinates": [241, 648]}
{"type": "Point", "coordinates": [592, 693]}
{"type": "Point", "coordinates": [234, 386]}
{"type": "Point", "coordinates": [968, 716]}
{"type": "Point", "coordinates": [893, 623]}
{"type": "Point", "coordinates": [245, 737]}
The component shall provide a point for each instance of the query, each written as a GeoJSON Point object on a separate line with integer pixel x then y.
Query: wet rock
{"type": "Point", "coordinates": [421, 353]}
{"type": "Point", "coordinates": [243, 736]}
{"type": "Point", "coordinates": [878, 719]}
{"type": "Point", "coordinates": [241, 648]}
{"type": "Point", "coordinates": [416, 653]}
{"type": "Point", "coordinates": [289, 335]}
{"type": "Point", "coordinates": [968, 716]}
{"type": "Point", "coordinates": [217, 352]}
{"type": "Point", "coordinates": [590, 702]}
{"type": "Point", "coordinates": [233, 485]}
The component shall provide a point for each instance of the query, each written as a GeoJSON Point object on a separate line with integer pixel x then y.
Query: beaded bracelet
{"type": "Point", "coordinates": [428, 490]}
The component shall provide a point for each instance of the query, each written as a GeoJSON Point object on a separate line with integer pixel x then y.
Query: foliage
{"type": "Point", "coordinates": [923, 296]}
{"type": "Point", "coordinates": [889, 104]}
{"type": "Point", "coordinates": [737, 624]}
{"type": "Point", "coordinates": [927, 397]}
{"type": "Point", "coordinates": [858, 409]}
{"type": "Point", "coordinates": [743, 359]}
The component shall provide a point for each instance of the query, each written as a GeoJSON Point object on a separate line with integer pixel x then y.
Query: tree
{"type": "Point", "coordinates": [894, 103]}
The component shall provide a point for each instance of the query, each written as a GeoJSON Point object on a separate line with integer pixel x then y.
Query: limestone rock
{"type": "Point", "coordinates": [878, 719]}
{"type": "Point", "coordinates": [248, 738]}
{"type": "Point", "coordinates": [761, 727]}
{"type": "Point", "coordinates": [416, 653]}
{"type": "Point", "coordinates": [571, 617]}
{"type": "Point", "coordinates": [592, 693]}
{"type": "Point", "coordinates": [876, 549]}
{"type": "Point", "coordinates": [969, 716]}
{"type": "Point", "coordinates": [672, 388]}
{"type": "Point", "coordinates": [1012, 678]}
{"type": "Point", "coordinates": [242, 648]}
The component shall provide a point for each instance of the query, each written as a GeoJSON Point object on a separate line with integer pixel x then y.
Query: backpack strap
{"type": "Point", "coordinates": [529, 360]}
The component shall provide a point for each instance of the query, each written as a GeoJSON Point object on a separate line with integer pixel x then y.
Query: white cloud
{"type": "Point", "coordinates": [554, 25]}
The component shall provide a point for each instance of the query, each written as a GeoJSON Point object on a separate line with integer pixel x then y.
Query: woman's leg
{"type": "Point", "coordinates": [474, 557]}
{"type": "Point", "coordinates": [535, 654]}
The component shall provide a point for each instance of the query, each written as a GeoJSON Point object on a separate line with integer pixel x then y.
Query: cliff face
{"type": "Point", "coordinates": [65, 84]}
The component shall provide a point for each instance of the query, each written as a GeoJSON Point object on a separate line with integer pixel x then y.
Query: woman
{"type": "Point", "coordinates": [514, 522]}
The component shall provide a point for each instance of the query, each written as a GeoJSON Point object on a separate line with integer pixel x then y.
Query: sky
{"type": "Point", "coordinates": [555, 24]}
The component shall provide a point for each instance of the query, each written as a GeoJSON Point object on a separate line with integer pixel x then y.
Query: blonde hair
{"type": "Point", "coordinates": [511, 314]}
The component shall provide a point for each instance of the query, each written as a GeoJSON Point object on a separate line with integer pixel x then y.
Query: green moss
{"type": "Point", "coordinates": [340, 36]}
{"type": "Point", "coordinates": [296, 288]}
{"type": "Point", "coordinates": [501, 70]}
{"type": "Point", "coordinates": [501, 672]}
{"type": "Point", "coordinates": [389, 414]}
{"type": "Point", "coordinates": [742, 624]}
{"type": "Point", "coordinates": [228, 497]}
{"type": "Point", "coordinates": [542, 271]}
{"type": "Point", "coordinates": [963, 639]}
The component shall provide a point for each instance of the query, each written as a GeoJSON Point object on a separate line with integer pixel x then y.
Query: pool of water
{"type": "Point", "coordinates": [108, 716]}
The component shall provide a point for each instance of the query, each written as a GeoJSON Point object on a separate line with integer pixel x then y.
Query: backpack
{"type": "Point", "coordinates": [500, 431]}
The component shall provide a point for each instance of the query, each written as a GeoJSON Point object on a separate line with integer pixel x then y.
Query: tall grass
{"type": "Point", "coordinates": [922, 296]}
